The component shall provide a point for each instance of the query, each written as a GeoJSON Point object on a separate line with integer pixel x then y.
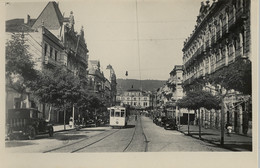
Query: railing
{"type": "Point", "coordinates": [218, 35]}
{"type": "Point", "coordinates": [212, 67]}
{"type": "Point", "coordinates": [207, 44]}
{"type": "Point", "coordinates": [238, 52]}
{"type": "Point", "coordinates": [231, 57]}
{"type": "Point", "coordinates": [224, 29]}
{"type": "Point", "coordinates": [231, 21]}
{"type": "Point", "coordinates": [213, 39]}
{"type": "Point", "coordinates": [200, 73]}
{"type": "Point", "coordinates": [49, 60]}
{"type": "Point", "coordinates": [239, 12]}
{"type": "Point", "coordinates": [207, 69]}
{"type": "Point", "coordinates": [220, 63]}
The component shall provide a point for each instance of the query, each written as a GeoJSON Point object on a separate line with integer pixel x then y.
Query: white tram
{"type": "Point", "coordinates": [118, 116]}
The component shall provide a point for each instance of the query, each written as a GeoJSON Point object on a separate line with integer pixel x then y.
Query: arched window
{"type": "Point", "coordinates": [227, 18]}
{"type": "Point", "coordinates": [241, 43]}
{"type": "Point", "coordinates": [220, 27]}
{"type": "Point", "coordinates": [234, 13]}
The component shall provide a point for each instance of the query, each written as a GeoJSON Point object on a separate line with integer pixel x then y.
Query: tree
{"type": "Point", "coordinates": [57, 87]}
{"type": "Point", "coordinates": [194, 100]}
{"type": "Point", "coordinates": [237, 76]}
{"type": "Point", "coordinates": [19, 65]}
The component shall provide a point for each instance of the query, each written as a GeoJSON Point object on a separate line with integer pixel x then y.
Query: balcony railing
{"type": "Point", "coordinates": [231, 21]}
{"type": "Point", "coordinates": [213, 39]}
{"type": "Point", "coordinates": [218, 35]}
{"type": "Point", "coordinates": [220, 63]}
{"type": "Point", "coordinates": [239, 12]}
{"type": "Point", "coordinates": [49, 60]}
{"type": "Point", "coordinates": [238, 52]}
{"type": "Point", "coordinates": [207, 44]}
{"type": "Point", "coordinates": [224, 30]}
{"type": "Point", "coordinates": [231, 57]}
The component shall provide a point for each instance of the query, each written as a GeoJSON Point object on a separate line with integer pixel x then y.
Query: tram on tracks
{"type": "Point", "coordinates": [118, 116]}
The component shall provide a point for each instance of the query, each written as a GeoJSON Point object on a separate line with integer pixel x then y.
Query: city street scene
{"type": "Point", "coordinates": [129, 76]}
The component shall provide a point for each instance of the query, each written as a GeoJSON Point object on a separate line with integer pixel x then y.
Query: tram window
{"type": "Point", "coordinates": [122, 114]}
{"type": "Point", "coordinates": [112, 112]}
{"type": "Point", "coordinates": [117, 114]}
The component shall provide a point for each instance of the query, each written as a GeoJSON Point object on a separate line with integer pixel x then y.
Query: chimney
{"type": "Point", "coordinates": [28, 19]}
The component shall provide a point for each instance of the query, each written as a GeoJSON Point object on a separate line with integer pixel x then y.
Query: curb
{"type": "Point", "coordinates": [210, 141]}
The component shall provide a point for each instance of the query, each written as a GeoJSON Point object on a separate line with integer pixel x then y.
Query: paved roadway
{"type": "Point", "coordinates": [140, 136]}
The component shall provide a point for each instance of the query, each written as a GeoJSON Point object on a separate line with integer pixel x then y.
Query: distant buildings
{"type": "Point", "coordinates": [136, 99]}
{"type": "Point", "coordinates": [103, 86]}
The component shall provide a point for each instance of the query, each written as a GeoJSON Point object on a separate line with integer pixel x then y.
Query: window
{"type": "Point", "coordinates": [56, 55]}
{"type": "Point", "coordinates": [112, 113]}
{"type": "Point", "coordinates": [51, 49]}
{"type": "Point", "coordinates": [117, 114]}
{"type": "Point", "coordinates": [45, 49]}
{"type": "Point", "coordinates": [122, 113]}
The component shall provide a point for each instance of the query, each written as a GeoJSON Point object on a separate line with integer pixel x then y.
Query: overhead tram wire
{"type": "Point", "coordinates": [138, 47]}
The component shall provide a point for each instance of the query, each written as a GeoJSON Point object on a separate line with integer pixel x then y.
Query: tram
{"type": "Point", "coordinates": [118, 116]}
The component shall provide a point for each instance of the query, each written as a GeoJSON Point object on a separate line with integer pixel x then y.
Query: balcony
{"type": "Point", "coordinates": [50, 61]}
{"type": "Point", "coordinates": [238, 52]}
{"type": "Point", "coordinates": [239, 12]}
{"type": "Point", "coordinates": [218, 35]}
{"type": "Point", "coordinates": [224, 29]}
{"type": "Point", "coordinates": [231, 21]}
{"type": "Point", "coordinates": [207, 44]}
{"type": "Point", "coordinates": [220, 64]}
{"type": "Point", "coordinates": [213, 39]}
{"type": "Point", "coordinates": [231, 57]}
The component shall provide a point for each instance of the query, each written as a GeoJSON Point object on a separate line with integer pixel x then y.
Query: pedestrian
{"type": "Point", "coordinates": [229, 128]}
{"type": "Point", "coordinates": [135, 117]}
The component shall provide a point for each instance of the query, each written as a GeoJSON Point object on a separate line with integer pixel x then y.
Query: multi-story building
{"type": "Point", "coordinates": [221, 36]}
{"type": "Point", "coordinates": [102, 86]}
{"type": "Point", "coordinates": [135, 98]}
{"type": "Point", "coordinates": [52, 41]}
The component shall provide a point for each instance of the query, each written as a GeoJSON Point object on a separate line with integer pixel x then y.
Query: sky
{"type": "Point", "coordinates": [143, 37]}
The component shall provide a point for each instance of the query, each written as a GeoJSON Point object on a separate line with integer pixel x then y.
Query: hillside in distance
{"type": "Point", "coordinates": [147, 85]}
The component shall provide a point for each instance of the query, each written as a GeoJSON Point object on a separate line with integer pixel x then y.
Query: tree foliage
{"type": "Point", "coordinates": [197, 99]}
{"type": "Point", "coordinates": [19, 64]}
{"type": "Point", "coordinates": [56, 87]}
{"type": "Point", "coordinates": [237, 76]}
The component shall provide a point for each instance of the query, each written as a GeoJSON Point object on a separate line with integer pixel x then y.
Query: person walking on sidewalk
{"type": "Point", "coordinates": [229, 128]}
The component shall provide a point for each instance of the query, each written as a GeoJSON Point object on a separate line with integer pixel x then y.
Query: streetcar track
{"type": "Point", "coordinates": [55, 149]}
{"type": "Point", "coordinates": [146, 142]}
{"type": "Point", "coordinates": [94, 142]}
{"type": "Point", "coordinates": [130, 140]}
{"type": "Point", "coordinates": [81, 148]}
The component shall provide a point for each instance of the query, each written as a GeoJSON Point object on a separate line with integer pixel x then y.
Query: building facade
{"type": "Point", "coordinates": [102, 85]}
{"type": "Point", "coordinates": [135, 98]}
{"type": "Point", "coordinates": [52, 41]}
{"type": "Point", "coordinates": [221, 36]}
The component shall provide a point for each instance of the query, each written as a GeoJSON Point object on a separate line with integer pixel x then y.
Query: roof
{"type": "Point", "coordinates": [16, 25]}
{"type": "Point", "coordinates": [50, 16]}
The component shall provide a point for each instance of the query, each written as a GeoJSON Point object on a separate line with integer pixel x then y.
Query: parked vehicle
{"type": "Point", "coordinates": [28, 123]}
{"type": "Point", "coordinates": [163, 121]}
{"type": "Point", "coordinates": [170, 123]}
{"type": "Point", "coordinates": [90, 123]}
{"type": "Point", "coordinates": [155, 120]}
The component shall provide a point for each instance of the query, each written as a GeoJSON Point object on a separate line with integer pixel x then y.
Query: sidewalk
{"type": "Point", "coordinates": [59, 128]}
{"type": "Point", "coordinates": [234, 142]}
